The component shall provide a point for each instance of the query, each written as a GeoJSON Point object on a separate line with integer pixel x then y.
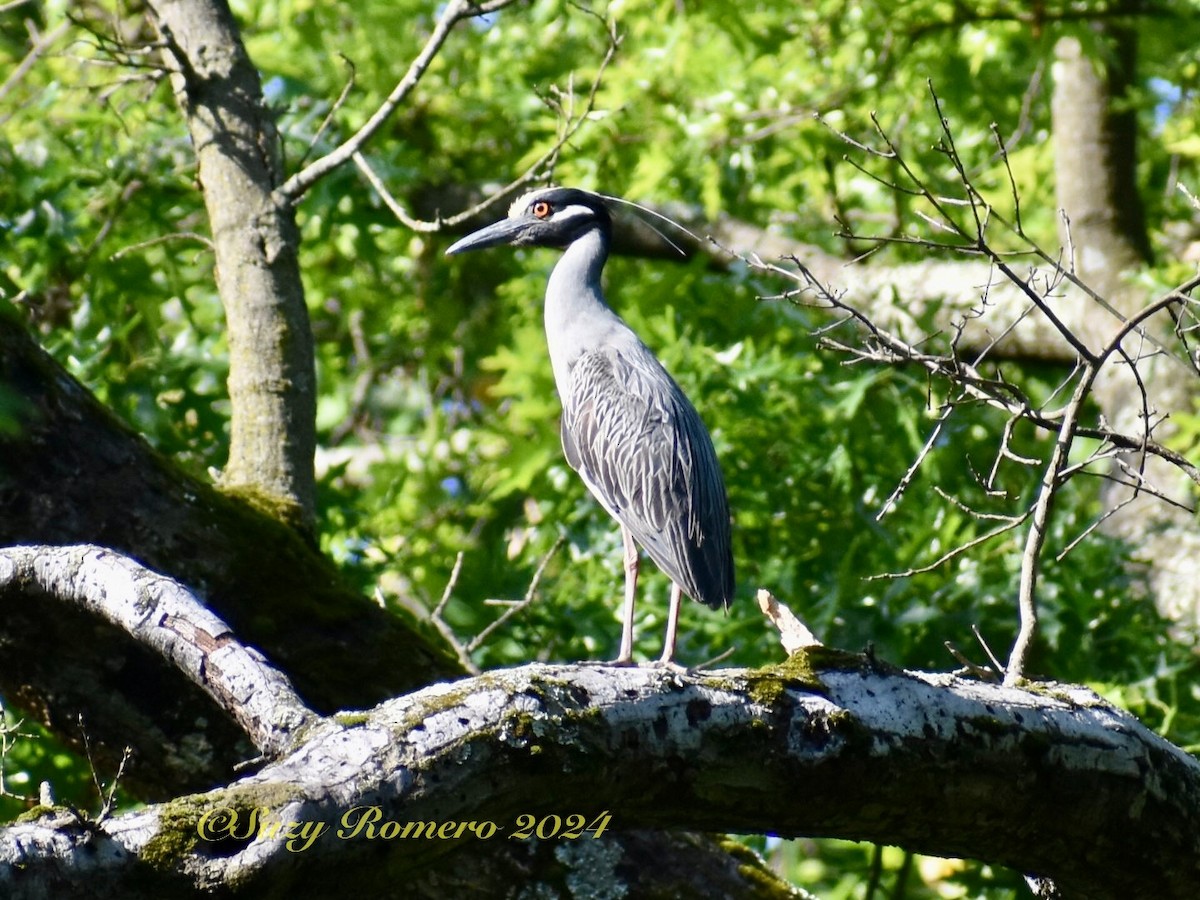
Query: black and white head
{"type": "Point", "coordinates": [547, 217]}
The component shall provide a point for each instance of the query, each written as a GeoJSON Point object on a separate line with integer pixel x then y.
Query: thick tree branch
{"type": "Point", "coordinates": [929, 762]}
{"type": "Point", "coordinates": [71, 474]}
{"type": "Point", "coordinates": [159, 613]}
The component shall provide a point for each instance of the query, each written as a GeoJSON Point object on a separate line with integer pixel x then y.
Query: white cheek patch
{"type": "Point", "coordinates": [575, 211]}
{"type": "Point", "coordinates": [520, 207]}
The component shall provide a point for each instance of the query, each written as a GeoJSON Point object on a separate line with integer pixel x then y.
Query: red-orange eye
{"type": "Point", "coordinates": [541, 209]}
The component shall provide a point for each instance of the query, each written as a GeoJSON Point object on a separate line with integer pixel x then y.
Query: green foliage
{"type": "Point", "coordinates": [837, 870]}
{"type": "Point", "coordinates": [437, 410]}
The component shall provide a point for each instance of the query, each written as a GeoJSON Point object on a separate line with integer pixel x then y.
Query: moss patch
{"type": "Point", "coordinates": [766, 884]}
{"type": "Point", "coordinates": [36, 812]}
{"type": "Point", "coordinates": [802, 670]}
{"type": "Point", "coordinates": [178, 832]}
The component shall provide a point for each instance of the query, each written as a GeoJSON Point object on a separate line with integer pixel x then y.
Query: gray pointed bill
{"type": "Point", "coordinates": [503, 232]}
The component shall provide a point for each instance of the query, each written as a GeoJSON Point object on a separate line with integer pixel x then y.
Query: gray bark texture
{"type": "Point", "coordinates": [272, 380]}
{"type": "Point", "coordinates": [1050, 779]}
{"type": "Point", "coordinates": [1095, 139]}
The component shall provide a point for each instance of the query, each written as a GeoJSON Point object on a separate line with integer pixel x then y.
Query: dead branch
{"type": "Point", "coordinates": [967, 221]}
{"type": "Point", "coordinates": [570, 120]}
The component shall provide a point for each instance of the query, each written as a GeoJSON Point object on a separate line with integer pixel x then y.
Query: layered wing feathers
{"type": "Point", "coordinates": [640, 447]}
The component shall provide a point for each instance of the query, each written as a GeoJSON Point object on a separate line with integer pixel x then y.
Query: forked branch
{"type": "Point", "coordinates": [963, 223]}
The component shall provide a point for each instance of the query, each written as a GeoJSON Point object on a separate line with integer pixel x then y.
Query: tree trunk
{"type": "Point", "coordinates": [272, 380]}
{"type": "Point", "coordinates": [1095, 134]}
{"type": "Point", "coordinates": [1095, 141]}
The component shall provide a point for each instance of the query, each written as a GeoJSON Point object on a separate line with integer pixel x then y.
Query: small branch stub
{"type": "Point", "coordinates": [793, 634]}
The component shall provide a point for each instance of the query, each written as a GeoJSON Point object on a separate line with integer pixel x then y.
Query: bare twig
{"type": "Point", "coordinates": [39, 48]}
{"type": "Point", "coordinates": [983, 673]}
{"type": "Point", "coordinates": [1096, 523]}
{"type": "Point", "coordinates": [513, 609]}
{"type": "Point", "coordinates": [453, 12]}
{"type": "Point", "coordinates": [391, 202]}
{"type": "Point", "coordinates": [987, 649]}
{"type": "Point", "coordinates": [9, 736]}
{"type": "Point", "coordinates": [569, 124]}
{"type": "Point", "coordinates": [356, 413]}
{"type": "Point", "coordinates": [462, 652]}
{"type": "Point", "coordinates": [108, 794]}
{"type": "Point", "coordinates": [110, 804]}
{"type": "Point", "coordinates": [162, 239]}
{"type": "Point", "coordinates": [956, 552]}
{"type": "Point", "coordinates": [900, 488]}
{"type": "Point", "coordinates": [327, 121]}
{"type": "Point", "coordinates": [970, 510]}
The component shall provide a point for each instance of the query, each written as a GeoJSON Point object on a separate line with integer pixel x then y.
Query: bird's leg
{"type": "Point", "coordinates": [672, 625]}
{"type": "Point", "coordinates": [631, 575]}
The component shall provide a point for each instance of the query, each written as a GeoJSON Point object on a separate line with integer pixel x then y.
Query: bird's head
{"type": "Point", "coordinates": [547, 217]}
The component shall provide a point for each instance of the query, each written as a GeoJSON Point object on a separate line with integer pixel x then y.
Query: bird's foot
{"type": "Point", "coordinates": [669, 665]}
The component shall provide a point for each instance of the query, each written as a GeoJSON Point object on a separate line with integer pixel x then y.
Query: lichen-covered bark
{"type": "Point", "coordinates": [1055, 782]}
{"type": "Point", "coordinates": [162, 616]}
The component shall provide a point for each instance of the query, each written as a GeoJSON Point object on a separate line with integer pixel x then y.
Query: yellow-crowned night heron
{"type": "Point", "coordinates": [627, 428]}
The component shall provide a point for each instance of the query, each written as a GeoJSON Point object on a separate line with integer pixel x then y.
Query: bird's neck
{"type": "Point", "coordinates": [577, 317]}
{"type": "Point", "coordinates": [574, 286]}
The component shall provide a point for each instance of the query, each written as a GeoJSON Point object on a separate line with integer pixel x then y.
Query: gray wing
{"type": "Point", "coordinates": [640, 447]}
